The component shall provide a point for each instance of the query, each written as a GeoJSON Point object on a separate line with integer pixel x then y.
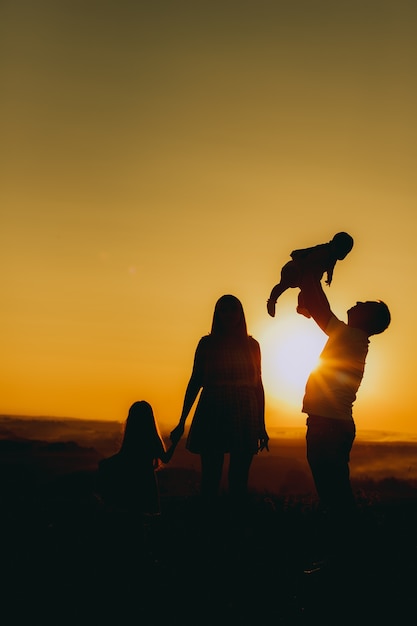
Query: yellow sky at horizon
{"type": "Point", "coordinates": [158, 155]}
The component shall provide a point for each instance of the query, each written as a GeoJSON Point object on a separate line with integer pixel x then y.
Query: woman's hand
{"type": "Point", "coordinates": [263, 442]}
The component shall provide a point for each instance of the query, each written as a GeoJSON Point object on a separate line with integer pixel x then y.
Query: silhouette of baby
{"type": "Point", "coordinates": [320, 259]}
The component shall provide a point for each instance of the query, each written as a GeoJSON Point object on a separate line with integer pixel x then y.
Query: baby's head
{"type": "Point", "coordinates": [342, 244]}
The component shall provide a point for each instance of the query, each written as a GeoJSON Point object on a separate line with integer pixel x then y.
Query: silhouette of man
{"type": "Point", "coordinates": [331, 391]}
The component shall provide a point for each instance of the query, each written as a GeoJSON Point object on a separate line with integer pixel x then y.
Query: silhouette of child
{"type": "Point", "coordinates": [127, 480]}
{"type": "Point", "coordinates": [318, 259]}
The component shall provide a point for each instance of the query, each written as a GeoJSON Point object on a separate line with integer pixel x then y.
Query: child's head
{"type": "Point", "coordinates": [141, 428]}
{"type": "Point", "coordinates": [140, 416]}
{"type": "Point", "coordinates": [342, 244]}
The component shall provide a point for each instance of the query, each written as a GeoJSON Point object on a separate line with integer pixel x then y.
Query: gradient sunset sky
{"type": "Point", "coordinates": [158, 154]}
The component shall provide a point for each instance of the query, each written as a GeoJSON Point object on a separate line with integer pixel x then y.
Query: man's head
{"type": "Point", "coordinates": [373, 317]}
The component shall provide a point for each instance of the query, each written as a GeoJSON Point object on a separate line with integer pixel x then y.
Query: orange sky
{"type": "Point", "coordinates": [159, 154]}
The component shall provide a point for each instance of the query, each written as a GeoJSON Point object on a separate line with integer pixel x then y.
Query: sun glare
{"type": "Point", "coordinates": [290, 345]}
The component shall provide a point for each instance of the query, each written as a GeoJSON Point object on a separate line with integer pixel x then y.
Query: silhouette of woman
{"type": "Point", "coordinates": [229, 417]}
{"type": "Point", "coordinates": [127, 480]}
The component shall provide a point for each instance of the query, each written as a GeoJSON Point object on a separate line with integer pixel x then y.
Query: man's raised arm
{"type": "Point", "coordinates": [315, 300]}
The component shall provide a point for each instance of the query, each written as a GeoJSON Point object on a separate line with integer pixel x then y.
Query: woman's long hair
{"type": "Point", "coordinates": [220, 325]}
{"type": "Point", "coordinates": [141, 433]}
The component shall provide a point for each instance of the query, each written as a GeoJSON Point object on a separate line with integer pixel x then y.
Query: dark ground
{"type": "Point", "coordinates": [66, 560]}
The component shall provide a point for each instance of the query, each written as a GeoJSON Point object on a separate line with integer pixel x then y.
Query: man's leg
{"type": "Point", "coordinates": [329, 443]}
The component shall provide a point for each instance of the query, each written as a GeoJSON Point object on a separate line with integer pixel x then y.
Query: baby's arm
{"type": "Point", "coordinates": [329, 271]}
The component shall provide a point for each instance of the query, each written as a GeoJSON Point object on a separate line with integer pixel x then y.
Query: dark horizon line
{"type": "Point", "coordinates": [285, 432]}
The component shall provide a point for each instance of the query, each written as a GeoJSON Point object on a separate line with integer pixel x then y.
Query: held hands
{"type": "Point", "coordinates": [177, 433]}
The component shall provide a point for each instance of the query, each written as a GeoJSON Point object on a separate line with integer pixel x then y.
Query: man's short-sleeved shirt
{"type": "Point", "coordinates": [332, 386]}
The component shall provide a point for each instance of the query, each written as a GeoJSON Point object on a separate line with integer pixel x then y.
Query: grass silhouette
{"type": "Point", "coordinates": [68, 560]}
{"type": "Point", "coordinates": [76, 562]}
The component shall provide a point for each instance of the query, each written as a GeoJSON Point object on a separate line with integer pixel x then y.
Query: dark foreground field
{"type": "Point", "coordinates": [66, 560]}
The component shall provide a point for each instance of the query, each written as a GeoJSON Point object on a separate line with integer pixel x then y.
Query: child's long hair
{"type": "Point", "coordinates": [141, 434]}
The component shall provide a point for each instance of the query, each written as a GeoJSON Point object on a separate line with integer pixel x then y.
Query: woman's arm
{"type": "Point", "coordinates": [260, 392]}
{"type": "Point", "coordinates": [194, 385]}
{"type": "Point", "coordinates": [263, 435]}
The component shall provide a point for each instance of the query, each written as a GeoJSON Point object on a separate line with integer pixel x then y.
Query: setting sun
{"type": "Point", "coordinates": [155, 165]}
{"type": "Point", "coordinates": [291, 345]}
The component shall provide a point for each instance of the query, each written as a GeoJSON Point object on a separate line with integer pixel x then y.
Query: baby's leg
{"type": "Point", "coordinates": [289, 278]}
{"type": "Point", "coordinates": [301, 307]}
{"type": "Point", "coordinates": [275, 293]}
